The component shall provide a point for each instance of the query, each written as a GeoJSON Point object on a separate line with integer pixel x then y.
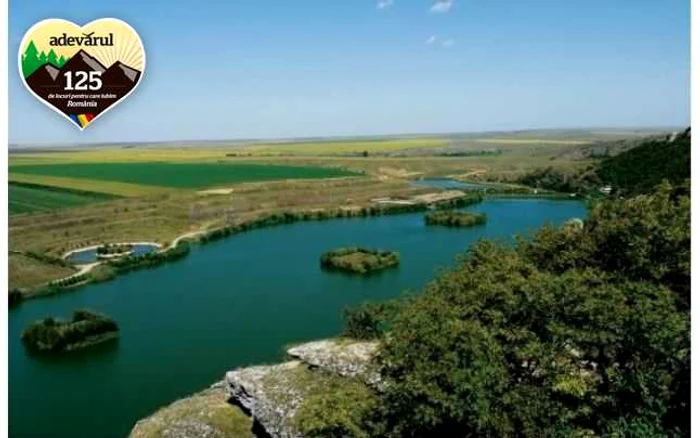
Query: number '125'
{"type": "Point", "coordinates": [83, 80]}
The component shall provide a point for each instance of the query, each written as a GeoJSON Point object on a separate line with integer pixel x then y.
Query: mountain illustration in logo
{"type": "Point", "coordinates": [51, 84]}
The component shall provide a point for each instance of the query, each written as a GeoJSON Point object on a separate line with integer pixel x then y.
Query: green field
{"type": "Point", "coordinates": [180, 175]}
{"type": "Point", "coordinates": [30, 198]}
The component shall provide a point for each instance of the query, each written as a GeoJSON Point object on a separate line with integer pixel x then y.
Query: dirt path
{"type": "Point", "coordinates": [185, 236]}
{"type": "Point", "coordinates": [83, 269]}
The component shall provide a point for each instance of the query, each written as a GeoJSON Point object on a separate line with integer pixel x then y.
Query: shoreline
{"type": "Point", "coordinates": [90, 248]}
{"type": "Point", "coordinates": [245, 226]}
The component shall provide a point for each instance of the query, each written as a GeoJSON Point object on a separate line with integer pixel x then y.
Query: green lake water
{"type": "Point", "coordinates": [231, 303]}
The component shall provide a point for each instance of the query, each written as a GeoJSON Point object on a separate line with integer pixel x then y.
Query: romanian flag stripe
{"type": "Point", "coordinates": [83, 120]}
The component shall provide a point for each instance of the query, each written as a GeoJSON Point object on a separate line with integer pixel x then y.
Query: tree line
{"type": "Point", "coordinates": [288, 217]}
{"type": "Point", "coordinates": [32, 59]}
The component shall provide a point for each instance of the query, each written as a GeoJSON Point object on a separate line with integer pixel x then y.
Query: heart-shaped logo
{"type": "Point", "coordinates": [81, 72]}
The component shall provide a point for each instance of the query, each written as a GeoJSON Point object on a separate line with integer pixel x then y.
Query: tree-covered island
{"type": "Point", "coordinates": [359, 260]}
{"type": "Point", "coordinates": [455, 218]}
{"type": "Point", "coordinates": [84, 329]}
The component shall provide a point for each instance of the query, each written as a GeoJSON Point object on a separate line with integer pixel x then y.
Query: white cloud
{"type": "Point", "coordinates": [383, 4]}
{"type": "Point", "coordinates": [444, 42]}
{"type": "Point", "coordinates": [442, 6]}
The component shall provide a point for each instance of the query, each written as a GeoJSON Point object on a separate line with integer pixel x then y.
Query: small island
{"type": "Point", "coordinates": [359, 260]}
{"type": "Point", "coordinates": [114, 250]}
{"type": "Point", "coordinates": [86, 328]}
{"type": "Point", "coordinates": [455, 219]}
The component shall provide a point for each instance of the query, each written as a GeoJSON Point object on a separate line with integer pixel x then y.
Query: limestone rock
{"type": "Point", "coordinates": [271, 394]}
{"type": "Point", "coordinates": [343, 357]}
{"type": "Point", "coordinates": [204, 415]}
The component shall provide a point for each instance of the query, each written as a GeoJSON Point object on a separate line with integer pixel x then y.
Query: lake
{"type": "Point", "coordinates": [232, 303]}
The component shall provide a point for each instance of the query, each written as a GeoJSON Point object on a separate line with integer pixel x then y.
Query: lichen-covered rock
{"type": "Point", "coordinates": [343, 357]}
{"type": "Point", "coordinates": [291, 399]}
{"type": "Point", "coordinates": [271, 394]}
{"type": "Point", "coordinates": [286, 400]}
{"type": "Point", "coordinates": [204, 415]}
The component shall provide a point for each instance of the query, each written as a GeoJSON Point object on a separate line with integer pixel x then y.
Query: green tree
{"type": "Point", "coordinates": [52, 58]}
{"type": "Point", "coordinates": [582, 331]}
{"type": "Point", "coordinates": [30, 60]}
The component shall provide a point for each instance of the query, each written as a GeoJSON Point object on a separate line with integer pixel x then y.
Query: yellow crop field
{"type": "Point", "coordinates": [121, 155]}
{"type": "Point", "coordinates": [346, 147]}
{"type": "Point", "coordinates": [530, 141]}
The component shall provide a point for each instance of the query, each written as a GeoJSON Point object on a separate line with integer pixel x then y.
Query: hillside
{"type": "Point", "coordinates": [640, 169]}
{"type": "Point", "coordinates": [633, 171]}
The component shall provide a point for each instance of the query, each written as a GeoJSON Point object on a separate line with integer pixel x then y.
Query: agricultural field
{"type": "Point", "coordinates": [30, 198]}
{"type": "Point", "coordinates": [113, 188]}
{"type": "Point", "coordinates": [345, 147]}
{"type": "Point", "coordinates": [28, 272]}
{"type": "Point", "coordinates": [179, 175]}
{"type": "Point", "coordinates": [202, 152]}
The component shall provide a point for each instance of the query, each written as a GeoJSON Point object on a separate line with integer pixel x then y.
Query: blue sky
{"type": "Point", "coordinates": [284, 68]}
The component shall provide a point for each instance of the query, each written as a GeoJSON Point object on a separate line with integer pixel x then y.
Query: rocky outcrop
{"type": "Point", "coordinates": [204, 415]}
{"type": "Point", "coordinates": [342, 357]}
{"type": "Point", "coordinates": [263, 401]}
{"type": "Point", "coordinates": [271, 394]}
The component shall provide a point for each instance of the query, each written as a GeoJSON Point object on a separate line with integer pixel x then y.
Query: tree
{"type": "Point", "coordinates": [52, 58]}
{"type": "Point", "coordinates": [30, 59]}
{"type": "Point", "coordinates": [582, 331]}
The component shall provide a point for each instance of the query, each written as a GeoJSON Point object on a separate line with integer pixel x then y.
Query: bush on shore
{"type": "Point", "coordinates": [113, 248]}
{"type": "Point", "coordinates": [274, 219]}
{"type": "Point", "coordinates": [151, 259]}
